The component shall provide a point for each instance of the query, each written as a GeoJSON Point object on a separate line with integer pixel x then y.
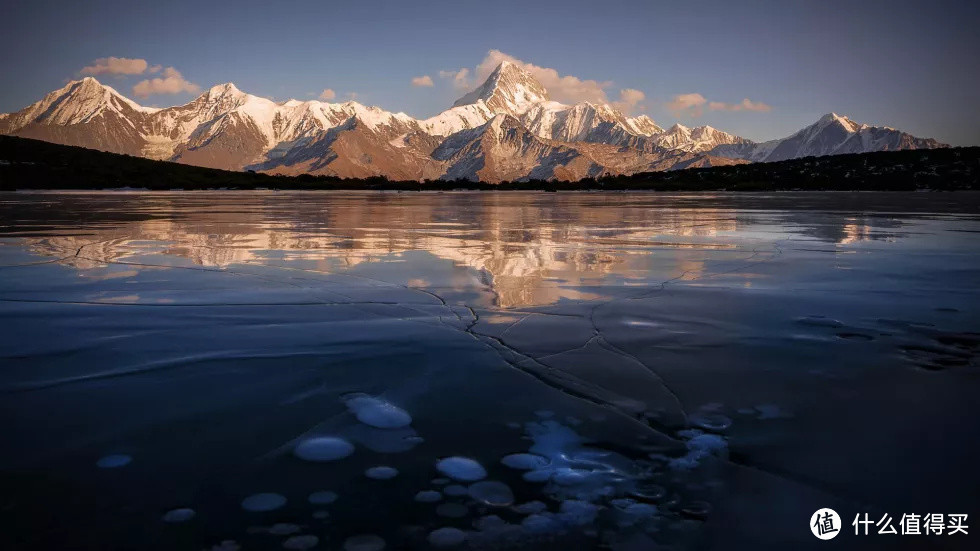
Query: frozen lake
{"type": "Point", "coordinates": [486, 371]}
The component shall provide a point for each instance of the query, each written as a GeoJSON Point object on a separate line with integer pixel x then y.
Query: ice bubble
{"type": "Point", "coordinates": [384, 440]}
{"type": "Point", "coordinates": [283, 529]}
{"type": "Point", "coordinates": [428, 496]}
{"type": "Point", "coordinates": [770, 411]}
{"type": "Point", "coordinates": [364, 542]}
{"type": "Point", "coordinates": [320, 515]}
{"type": "Point", "coordinates": [461, 468]}
{"type": "Point", "coordinates": [539, 522]}
{"type": "Point", "coordinates": [711, 421]}
{"type": "Point", "coordinates": [263, 502]}
{"type": "Point", "coordinates": [696, 509]}
{"type": "Point", "coordinates": [819, 321]}
{"type": "Point", "coordinates": [649, 491]}
{"type": "Point", "coordinates": [114, 461]}
{"type": "Point", "coordinates": [631, 512]}
{"type": "Point", "coordinates": [301, 543]}
{"type": "Point", "coordinates": [377, 413]}
{"type": "Point", "coordinates": [489, 522]}
{"type": "Point", "coordinates": [452, 510]}
{"type": "Point", "coordinates": [524, 461]}
{"type": "Point", "coordinates": [569, 477]}
{"type": "Point", "coordinates": [578, 513]}
{"type": "Point", "coordinates": [446, 537]}
{"type": "Point", "coordinates": [179, 515]}
{"type": "Point", "coordinates": [541, 475]}
{"type": "Point", "coordinates": [324, 448]}
{"type": "Point", "coordinates": [530, 507]}
{"type": "Point", "coordinates": [322, 498]}
{"type": "Point", "coordinates": [700, 447]}
{"type": "Point", "coordinates": [492, 492]}
{"type": "Point", "coordinates": [544, 413]}
{"type": "Point", "coordinates": [455, 490]}
{"type": "Point", "coordinates": [381, 473]}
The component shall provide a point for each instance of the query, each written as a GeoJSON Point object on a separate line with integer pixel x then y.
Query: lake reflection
{"type": "Point", "coordinates": [629, 370]}
{"type": "Point", "coordinates": [523, 249]}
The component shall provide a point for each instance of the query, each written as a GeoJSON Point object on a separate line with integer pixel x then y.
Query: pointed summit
{"type": "Point", "coordinates": [509, 89]}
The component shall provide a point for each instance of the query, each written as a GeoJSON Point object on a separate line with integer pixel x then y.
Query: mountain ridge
{"type": "Point", "coordinates": [519, 133]}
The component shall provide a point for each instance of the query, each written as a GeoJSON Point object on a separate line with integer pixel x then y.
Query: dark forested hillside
{"type": "Point", "coordinates": [32, 164]}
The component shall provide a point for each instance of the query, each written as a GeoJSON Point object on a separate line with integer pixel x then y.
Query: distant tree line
{"type": "Point", "coordinates": [32, 164]}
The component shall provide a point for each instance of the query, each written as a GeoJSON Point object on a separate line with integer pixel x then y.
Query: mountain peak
{"type": "Point", "coordinates": [509, 89]}
{"type": "Point", "coordinates": [831, 118]}
{"type": "Point", "coordinates": [226, 89]}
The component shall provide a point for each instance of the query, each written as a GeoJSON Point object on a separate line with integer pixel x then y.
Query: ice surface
{"type": "Point", "coordinates": [284, 529]}
{"type": "Point", "coordinates": [377, 413]}
{"type": "Point", "coordinates": [114, 461]}
{"type": "Point", "coordinates": [470, 312]}
{"type": "Point", "coordinates": [381, 472]}
{"type": "Point", "coordinates": [461, 468]}
{"type": "Point", "coordinates": [452, 510]}
{"type": "Point", "coordinates": [455, 490]}
{"type": "Point", "coordinates": [364, 542]}
{"type": "Point", "coordinates": [263, 502]}
{"type": "Point", "coordinates": [301, 543]}
{"type": "Point", "coordinates": [446, 537]}
{"type": "Point", "coordinates": [179, 515]}
{"type": "Point", "coordinates": [324, 448]}
{"type": "Point", "coordinates": [324, 497]}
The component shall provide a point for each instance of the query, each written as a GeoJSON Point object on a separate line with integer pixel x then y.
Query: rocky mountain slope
{"type": "Point", "coordinates": [508, 128]}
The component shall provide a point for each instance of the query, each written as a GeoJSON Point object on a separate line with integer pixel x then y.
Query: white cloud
{"type": "Point", "coordinates": [424, 80]}
{"type": "Point", "coordinates": [460, 78]}
{"type": "Point", "coordinates": [327, 94]}
{"type": "Point", "coordinates": [629, 99]}
{"type": "Point", "coordinates": [693, 105]}
{"type": "Point", "coordinates": [745, 105]}
{"type": "Point", "coordinates": [687, 104]}
{"type": "Point", "coordinates": [116, 66]}
{"type": "Point", "coordinates": [171, 83]}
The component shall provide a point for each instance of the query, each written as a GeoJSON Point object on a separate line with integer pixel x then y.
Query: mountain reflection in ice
{"type": "Point", "coordinates": [508, 370]}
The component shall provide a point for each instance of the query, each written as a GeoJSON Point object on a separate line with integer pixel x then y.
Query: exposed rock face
{"type": "Point", "coordinates": [506, 129]}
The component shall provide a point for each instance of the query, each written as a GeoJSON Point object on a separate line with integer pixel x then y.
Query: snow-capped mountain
{"type": "Point", "coordinates": [507, 128]}
{"type": "Point", "coordinates": [833, 134]}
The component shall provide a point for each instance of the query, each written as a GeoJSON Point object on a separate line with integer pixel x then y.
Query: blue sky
{"type": "Point", "coordinates": [909, 65]}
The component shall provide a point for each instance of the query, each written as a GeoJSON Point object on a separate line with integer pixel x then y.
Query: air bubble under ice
{"type": "Point", "coordinates": [446, 537]}
{"type": "Point", "coordinates": [492, 492]}
{"type": "Point", "coordinates": [428, 496]}
{"type": "Point", "coordinates": [179, 515]}
{"type": "Point", "coordinates": [364, 542]}
{"type": "Point", "coordinates": [381, 472]}
{"type": "Point", "coordinates": [301, 543]}
{"type": "Point", "coordinates": [461, 468]}
{"type": "Point", "coordinates": [263, 502]}
{"type": "Point", "coordinates": [114, 461]}
{"type": "Point", "coordinates": [376, 412]}
{"type": "Point", "coordinates": [323, 448]}
{"type": "Point", "coordinates": [322, 497]}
